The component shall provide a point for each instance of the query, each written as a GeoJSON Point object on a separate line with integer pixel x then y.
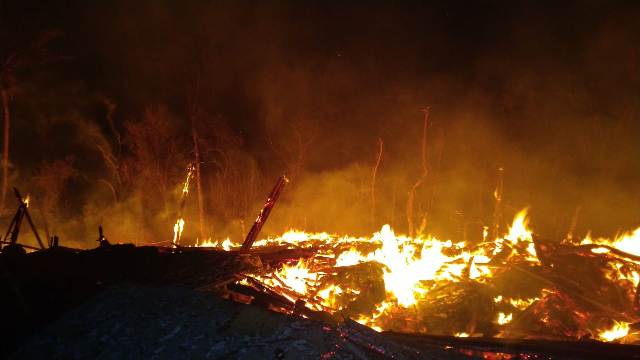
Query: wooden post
{"type": "Point", "coordinates": [264, 213]}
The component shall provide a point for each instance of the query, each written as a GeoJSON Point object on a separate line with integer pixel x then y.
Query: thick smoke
{"type": "Point", "coordinates": [103, 133]}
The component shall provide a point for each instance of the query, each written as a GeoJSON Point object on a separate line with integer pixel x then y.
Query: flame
{"type": "Point", "coordinates": [628, 242]}
{"type": "Point", "coordinates": [190, 173]}
{"type": "Point", "coordinates": [226, 244]}
{"type": "Point", "coordinates": [411, 267]}
{"type": "Point", "coordinates": [206, 243]}
{"type": "Point", "coordinates": [619, 330]}
{"type": "Point", "coordinates": [296, 277]}
{"type": "Point", "coordinates": [412, 270]}
{"type": "Point", "coordinates": [519, 236]}
{"type": "Point", "coordinates": [522, 304]}
{"type": "Point", "coordinates": [504, 319]}
{"type": "Point", "coordinates": [178, 227]}
{"type": "Point", "coordinates": [408, 263]}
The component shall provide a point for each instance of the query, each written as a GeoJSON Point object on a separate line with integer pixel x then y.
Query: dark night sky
{"type": "Point", "coordinates": [546, 89]}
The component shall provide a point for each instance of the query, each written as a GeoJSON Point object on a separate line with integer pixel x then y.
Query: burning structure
{"type": "Point", "coordinates": [461, 179]}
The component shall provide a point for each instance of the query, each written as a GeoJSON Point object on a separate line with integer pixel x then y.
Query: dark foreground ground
{"type": "Point", "coordinates": [123, 302]}
{"type": "Point", "coordinates": [132, 322]}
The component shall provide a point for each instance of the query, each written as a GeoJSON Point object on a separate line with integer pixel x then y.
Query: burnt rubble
{"type": "Point", "coordinates": [122, 301]}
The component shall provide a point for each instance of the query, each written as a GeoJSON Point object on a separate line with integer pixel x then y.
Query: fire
{"type": "Point", "coordinates": [178, 227]}
{"type": "Point", "coordinates": [522, 304]}
{"type": "Point", "coordinates": [226, 244]}
{"type": "Point", "coordinates": [619, 330]}
{"type": "Point", "coordinates": [410, 268]}
{"type": "Point", "coordinates": [388, 280]}
{"type": "Point", "coordinates": [628, 242]}
{"type": "Point", "coordinates": [519, 233]}
{"type": "Point", "coordinates": [504, 319]}
{"type": "Point", "coordinates": [190, 173]}
{"type": "Point", "coordinates": [295, 277]}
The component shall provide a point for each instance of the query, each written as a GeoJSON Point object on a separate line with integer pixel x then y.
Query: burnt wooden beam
{"type": "Point", "coordinates": [264, 213]}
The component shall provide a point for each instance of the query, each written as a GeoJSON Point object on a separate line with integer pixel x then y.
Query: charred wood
{"type": "Point", "coordinates": [264, 213]}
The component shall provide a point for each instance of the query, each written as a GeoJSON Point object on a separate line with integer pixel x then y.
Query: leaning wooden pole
{"type": "Point", "coordinates": [26, 214]}
{"type": "Point", "coordinates": [264, 213]}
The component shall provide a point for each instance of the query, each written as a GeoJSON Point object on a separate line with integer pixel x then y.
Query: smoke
{"type": "Point", "coordinates": [549, 94]}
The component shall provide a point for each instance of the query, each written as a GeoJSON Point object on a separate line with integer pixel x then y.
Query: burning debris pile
{"type": "Point", "coordinates": [422, 296]}
{"type": "Point", "coordinates": [515, 286]}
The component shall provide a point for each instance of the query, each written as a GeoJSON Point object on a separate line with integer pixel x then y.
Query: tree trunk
{"type": "Point", "coordinates": [6, 116]}
{"type": "Point", "coordinates": [496, 230]}
{"type": "Point", "coordinates": [373, 184]}
{"type": "Point", "coordinates": [196, 150]}
{"type": "Point", "coordinates": [425, 172]}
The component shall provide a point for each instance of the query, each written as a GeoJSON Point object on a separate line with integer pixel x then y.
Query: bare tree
{"type": "Point", "coordinates": [49, 181]}
{"type": "Point", "coordinates": [13, 60]}
{"type": "Point", "coordinates": [194, 93]}
{"type": "Point", "coordinates": [423, 176]}
{"type": "Point", "coordinates": [155, 161]}
{"type": "Point", "coordinates": [196, 150]}
{"type": "Point", "coordinates": [373, 183]}
{"type": "Point", "coordinates": [232, 176]}
{"type": "Point", "coordinates": [291, 139]}
{"type": "Point", "coordinates": [497, 208]}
